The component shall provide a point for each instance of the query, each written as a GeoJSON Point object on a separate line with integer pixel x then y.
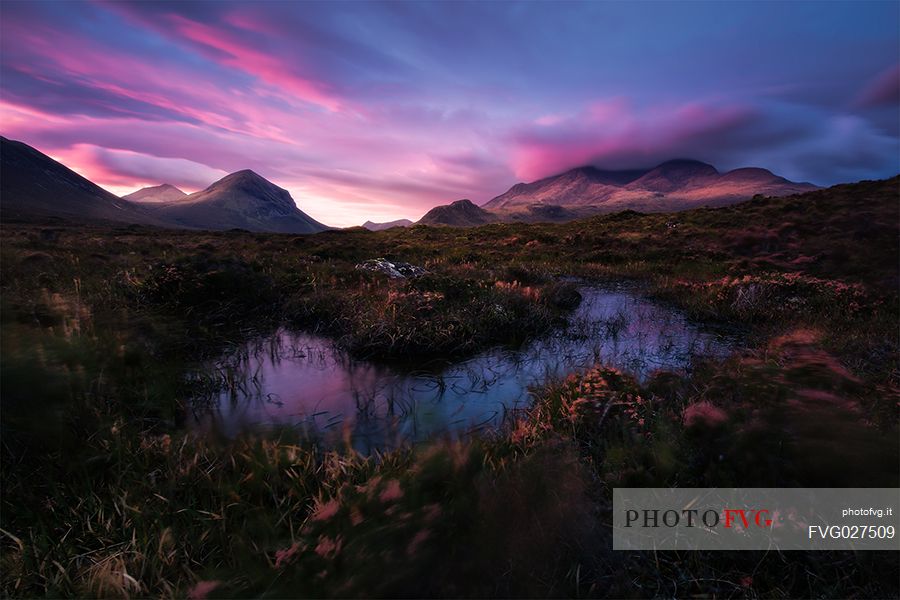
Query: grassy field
{"type": "Point", "coordinates": [105, 494]}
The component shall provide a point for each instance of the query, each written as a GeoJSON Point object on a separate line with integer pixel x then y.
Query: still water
{"type": "Point", "coordinates": [303, 381]}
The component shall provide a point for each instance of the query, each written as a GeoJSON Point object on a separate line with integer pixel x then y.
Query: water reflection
{"type": "Point", "coordinates": [302, 380]}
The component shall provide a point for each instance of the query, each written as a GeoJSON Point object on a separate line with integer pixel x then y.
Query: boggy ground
{"type": "Point", "coordinates": [103, 493]}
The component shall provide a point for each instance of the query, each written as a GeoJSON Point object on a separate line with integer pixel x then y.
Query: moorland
{"type": "Point", "coordinates": [106, 493]}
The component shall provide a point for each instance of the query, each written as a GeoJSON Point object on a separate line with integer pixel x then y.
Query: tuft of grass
{"type": "Point", "coordinates": [432, 316]}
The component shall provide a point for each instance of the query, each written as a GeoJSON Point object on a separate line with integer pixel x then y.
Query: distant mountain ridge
{"type": "Point", "coordinates": [672, 185]}
{"type": "Point", "coordinates": [584, 191]}
{"type": "Point", "coordinates": [34, 186]}
{"type": "Point", "coordinates": [388, 225]}
{"type": "Point", "coordinates": [462, 213]}
{"type": "Point", "coordinates": [156, 193]}
{"type": "Point", "coordinates": [241, 200]}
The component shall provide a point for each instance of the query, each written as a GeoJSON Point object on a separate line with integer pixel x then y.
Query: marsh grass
{"type": "Point", "coordinates": [105, 495]}
{"type": "Point", "coordinates": [448, 317]}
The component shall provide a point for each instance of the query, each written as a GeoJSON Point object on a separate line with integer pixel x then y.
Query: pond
{"type": "Point", "coordinates": [304, 381]}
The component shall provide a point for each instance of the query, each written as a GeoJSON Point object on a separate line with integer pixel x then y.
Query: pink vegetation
{"type": "Point", "coordinates": [202, 589]}
{"type": "Point", "coordinates": [705, 414]}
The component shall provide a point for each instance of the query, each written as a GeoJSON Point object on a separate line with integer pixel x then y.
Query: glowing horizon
{"type": "Point", "coordinates": [380, 111]}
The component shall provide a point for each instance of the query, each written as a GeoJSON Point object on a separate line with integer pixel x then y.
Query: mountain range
{"type": "Point", "coordinates": [389, 225]}
{"type": "Point", "coordinates": [156, 193]}
{"type": "Point", "coordinates": [34, 185]}
{"type": "Point", "coordinates": [241, 200]}
{"type": "Point", "coordinates": [675, 184]}
{"type": "Point", "coordinates": [462, 213]}
{"type": "Point", "coordinates": [670, 186]}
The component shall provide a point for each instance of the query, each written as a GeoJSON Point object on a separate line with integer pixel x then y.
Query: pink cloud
{"type": "Point", "coordinates": [549, 120]}
{"type": "Point", "coordinates": [337, 172]}
{"type": "Point", "coordinates": [608, 111]}
{"type": "Point", "coordinates": [616, 134]}
{"type": "Point", "coordinates": [883, 90]}
{"type": "Point", "coordinates": [125, 170]}
{"type": "Point", "coordinates": [175, 91]}
{"type": "Point", "coordinates": [233, 52]}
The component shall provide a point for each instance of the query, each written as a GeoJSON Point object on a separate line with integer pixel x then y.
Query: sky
{"type": "Point", "coordinates": [380, 111]}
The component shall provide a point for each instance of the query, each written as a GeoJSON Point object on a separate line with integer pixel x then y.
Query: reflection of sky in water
{"type": "Point", "coordinates": [302, 380]}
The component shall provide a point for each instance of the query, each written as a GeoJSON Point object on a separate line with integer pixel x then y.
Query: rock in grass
{"type": "Point", "coordinates": [394, 270]}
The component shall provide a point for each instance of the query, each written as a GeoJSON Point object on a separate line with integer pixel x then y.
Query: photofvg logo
{"type": "Point", "coordinates": [756, 519]}
{"type": "Point", "coordinates": [692, 517]}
